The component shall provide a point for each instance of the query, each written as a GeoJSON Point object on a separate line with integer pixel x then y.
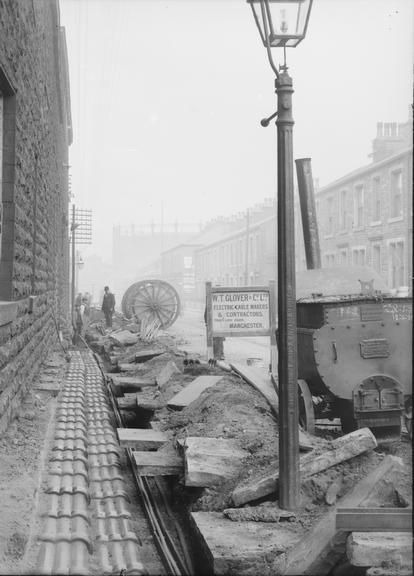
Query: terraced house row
{"type": "Point", "coordinates": [364, 218]}
{"type": "Point", "coordinates": [35, 134]}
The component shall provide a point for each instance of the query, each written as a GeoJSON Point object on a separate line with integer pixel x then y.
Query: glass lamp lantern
{"type": "Point", "coordinates": [281, 23]}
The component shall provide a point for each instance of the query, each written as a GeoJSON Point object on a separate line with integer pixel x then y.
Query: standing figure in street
{"type": "Point", "coordinates": [108, 306]}
{"type": "Point", "coordinates": [78, 320]}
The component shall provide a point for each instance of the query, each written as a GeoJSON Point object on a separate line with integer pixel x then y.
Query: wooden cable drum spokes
{"type": "Point", "coordinates": [152, 300]}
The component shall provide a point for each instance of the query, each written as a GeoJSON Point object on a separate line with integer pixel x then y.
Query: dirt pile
{"type": "Point", "coordinates": [22, 458]}
{"type": "Point", "coordinates": [232, 409]}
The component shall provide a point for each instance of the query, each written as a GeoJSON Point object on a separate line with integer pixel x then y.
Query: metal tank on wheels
{"type": "Point", "coordinates": [354, 361]}
{"type": "Point", "coordinates": [354, 339]}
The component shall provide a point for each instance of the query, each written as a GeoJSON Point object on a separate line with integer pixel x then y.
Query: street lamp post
{"type": "Point", "coordinates": [283, 24]}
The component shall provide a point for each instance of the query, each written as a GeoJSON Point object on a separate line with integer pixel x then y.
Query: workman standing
{"type": "Point", "coordinates": [108, 306]}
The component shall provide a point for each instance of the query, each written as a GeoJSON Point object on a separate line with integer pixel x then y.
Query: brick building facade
{"type": "Point", "coordinates": [35, 133]}
{"type": "Point", "coordinates": [364, 219]}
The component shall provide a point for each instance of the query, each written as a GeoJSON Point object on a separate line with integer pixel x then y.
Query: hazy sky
{"type": "Point", "coordinates": [167, 97]}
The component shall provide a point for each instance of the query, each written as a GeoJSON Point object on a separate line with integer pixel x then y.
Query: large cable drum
{"type": "Point", "coordinates": [153, 300]}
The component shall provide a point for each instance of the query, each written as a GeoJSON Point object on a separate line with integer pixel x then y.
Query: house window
{"type": "Point", "coordinates": [329, 260]}
{"type": "Point", "coordinates": [358, 256]}
{"type": "Point", "coordinates": [329, 215]}
{"type": "Point", "coordinates": [376, 257]}
{"type": "Point", "coordinates": [188, 262]}
{"type": "Point", "coordinates": [359, 206]}
{"type": "Point", "coordinates": [376, 199]}
{"type": "Point", "coordinates": [396, 194]}
{"type": "Point", "coordinates": [343, 257]}
{"type": "Point", "coordinates": [343, 210]}
{"type": "Point", "coordinates": [397, 269]}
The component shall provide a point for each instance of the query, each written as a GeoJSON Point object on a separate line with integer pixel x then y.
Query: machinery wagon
{"type": "Point", "coordinates": [354, 360]}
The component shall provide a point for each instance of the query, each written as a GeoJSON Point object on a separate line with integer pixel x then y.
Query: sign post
{"type": "Point", "coordinates": [208, 320]}
{"type": "Point", "coordinates": [273, 342]}
{"type": "Point", "coordinates": [241, 311]}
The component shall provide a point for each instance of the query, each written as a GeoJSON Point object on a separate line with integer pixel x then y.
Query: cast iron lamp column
{"type": "Point", "coordinates": [283, 23]}
{"type": "Point", "coordinates": [289, 478]}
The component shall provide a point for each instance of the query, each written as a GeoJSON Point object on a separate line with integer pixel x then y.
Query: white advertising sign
{"type": "Point", "coordinates": [240, 311]}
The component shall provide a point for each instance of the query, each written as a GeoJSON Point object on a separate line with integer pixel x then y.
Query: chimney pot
{"type": "Point", "coordinates": [379, 129]}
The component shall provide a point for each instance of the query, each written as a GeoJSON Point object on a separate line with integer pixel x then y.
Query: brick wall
{"type": "Point", "coordinates": [34, 245]}
{"type": "Point", "coordinates": [340, 232]}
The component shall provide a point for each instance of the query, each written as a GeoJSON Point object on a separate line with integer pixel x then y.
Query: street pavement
{"type": "Point", "coordinates": [189, 327]}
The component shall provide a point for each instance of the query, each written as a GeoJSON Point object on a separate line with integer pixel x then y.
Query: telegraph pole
{"type": "Point", "coordinates": [82, 222]}
{"type": "Point", "coordinates": [73, 230]}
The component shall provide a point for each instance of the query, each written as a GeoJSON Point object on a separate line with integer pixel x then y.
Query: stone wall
{"type": "Point", "coordinates": [36, 133]}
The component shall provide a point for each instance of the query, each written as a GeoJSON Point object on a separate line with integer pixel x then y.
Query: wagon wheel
{"type": "Point", "coordinates": [155, 300]}
{"type": "Point", "coordinates": [306, 410]}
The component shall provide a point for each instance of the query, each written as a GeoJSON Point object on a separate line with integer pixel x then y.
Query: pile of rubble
{"type": "Point", "coordinates": [218, 437]}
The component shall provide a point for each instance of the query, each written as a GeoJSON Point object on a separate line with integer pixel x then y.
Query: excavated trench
{"type": "Point", "coordinates": [88, 515]}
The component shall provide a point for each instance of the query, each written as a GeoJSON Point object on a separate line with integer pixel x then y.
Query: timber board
{"type": "Point", "coordinates": [141, 438]}
{"type": "Point", "coordinates": [192, 391]}
{"type": "Point", "coordinates": [158, 464]}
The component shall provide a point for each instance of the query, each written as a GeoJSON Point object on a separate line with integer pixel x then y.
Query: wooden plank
{"type": "Point", "coordinates": [126, 403]}
{"type": "Point", "coordinates": [145, 355]}
{"type": "Point", "coordinates": [141, 438]}
{"type": "Point", "coordinates": [374, 519]}
{"type": "Point", "coordinates": [146, 403]}
{"type": "Point", "coordinates": [209, 461]}
{"type": "Point", "coordinates": [242, 548]}
{"type": "Point", "coordinates": [258, 514]}
{"type": "Point", "coordinates": [263, 383]}
{"type": "Point", "coordinates": [54, 386]}
{"type": "Point", "coordinates": [389, 571]}
{"type": "Point", "coordinates": [192, 391]}
{"type": "Point", "coordinates": [339, 450]}
{"type": "Point", "coordinates": [317, 553]}
{"type": "Point", "coordinates": [132, 383]}
{"type": "Point", "coordinates": [158, 464]}
{"type": "Point", "coordinates": [380, 549]}
{"type": "Point", "coordinates": [127, 367]}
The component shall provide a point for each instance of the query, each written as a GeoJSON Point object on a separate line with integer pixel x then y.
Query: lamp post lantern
{"type": "Point", "coordinates": [283, 23]}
